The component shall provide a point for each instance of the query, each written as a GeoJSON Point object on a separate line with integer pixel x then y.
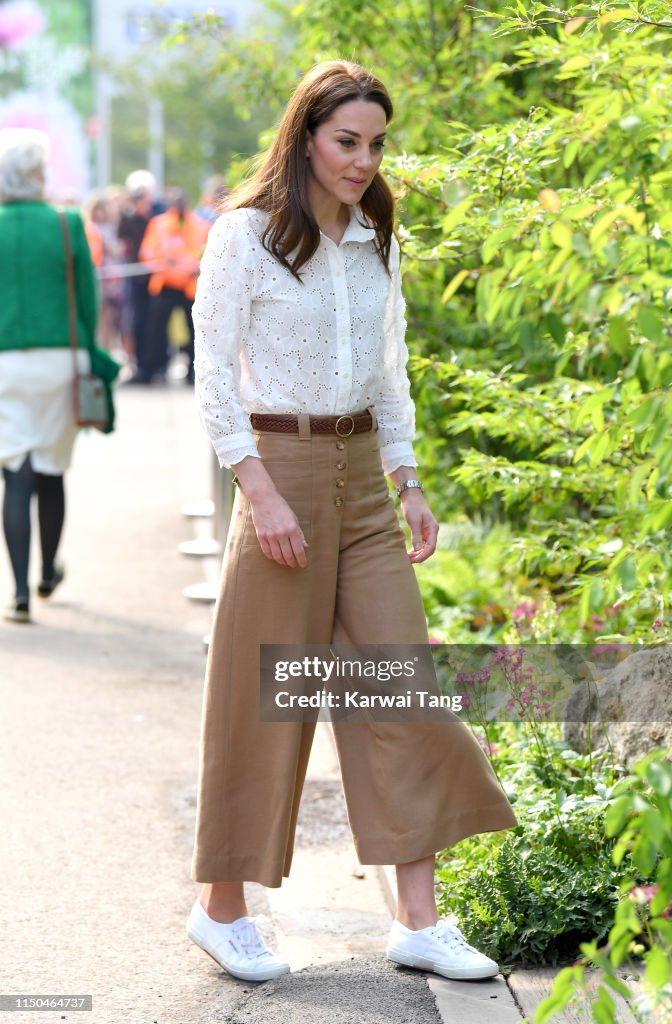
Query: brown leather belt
{"type": "Point", "coordinates": [343, 426]}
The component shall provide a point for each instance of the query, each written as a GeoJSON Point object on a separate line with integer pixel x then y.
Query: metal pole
{"type": "Point", "coordinates": [155, 130]}
{"type": "Point", "coordinates": [222, 495]}
{"type": "Point", "coordinates": [223, 498]}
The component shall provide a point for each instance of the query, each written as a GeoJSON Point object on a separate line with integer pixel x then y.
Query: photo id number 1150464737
{"type": "Point", "coordinates": [18, 1002]}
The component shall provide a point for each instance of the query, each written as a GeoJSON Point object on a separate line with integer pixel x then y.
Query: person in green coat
{"type": "Point", "coordinates": [37, 426]}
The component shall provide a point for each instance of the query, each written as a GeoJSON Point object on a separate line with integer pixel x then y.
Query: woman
{"type": "Point", "coordinates": [300, 350]}
{"type": "Point", "coordinates": [101, 226]}
{"type": "Point", "coordinates": [37, 428]}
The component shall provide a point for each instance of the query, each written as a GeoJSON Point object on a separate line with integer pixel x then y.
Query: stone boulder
{"type": "Point", "coordinates": [627, 706]}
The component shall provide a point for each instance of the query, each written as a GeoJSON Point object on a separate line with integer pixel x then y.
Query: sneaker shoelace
{"type": "Point", "coordinates": [248, 938]}
{"type": "Point", "coordinates": [452, 937]}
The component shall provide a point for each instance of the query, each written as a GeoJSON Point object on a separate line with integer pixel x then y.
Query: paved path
{"type": "Point", "coordinates": [98, 752]}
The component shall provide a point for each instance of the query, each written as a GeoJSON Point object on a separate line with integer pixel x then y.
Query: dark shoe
{"type": "Point", "coordinates": [18, 612]}
{"type": "Point", "coordinates": [47, 587]}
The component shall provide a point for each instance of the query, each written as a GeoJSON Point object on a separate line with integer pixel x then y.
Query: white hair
{"type": "Point", "coordinates": [23, 159]}
{"type": "Point", "coordinates": [141, 181]}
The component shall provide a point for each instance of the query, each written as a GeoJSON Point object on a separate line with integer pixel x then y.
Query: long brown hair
{"type": "Point", "coordinates": [280, 185]}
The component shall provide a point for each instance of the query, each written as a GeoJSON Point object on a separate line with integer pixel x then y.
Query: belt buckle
{"type": "Point", "coordinates": [352, 425]}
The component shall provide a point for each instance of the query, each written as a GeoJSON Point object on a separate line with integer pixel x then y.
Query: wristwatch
{"type": "Point", "coordinates": [407, 485]}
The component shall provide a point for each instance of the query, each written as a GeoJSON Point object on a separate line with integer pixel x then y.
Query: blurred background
{"type": "Point", "coordinates": [530, 154]}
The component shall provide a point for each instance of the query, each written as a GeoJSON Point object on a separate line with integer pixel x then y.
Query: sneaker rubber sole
{"type": "Point", "coordinates": [267, 975]}
{"type": "Point", "coordinates": [400, 956]}
{"type": "Point", "coordinates": [17, 615]}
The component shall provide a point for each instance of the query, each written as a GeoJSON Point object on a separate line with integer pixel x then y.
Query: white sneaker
{"type": "Point", "coordinates": [237, 947]}
{"type": "Point", "coordinates": [441, 948]}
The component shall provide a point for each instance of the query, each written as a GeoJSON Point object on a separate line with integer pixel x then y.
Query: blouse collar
{"type": "Point", "coordinates": [359, 229]}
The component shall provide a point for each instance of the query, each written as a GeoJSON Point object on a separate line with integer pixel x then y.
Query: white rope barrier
{"type": "Point", "coordinates": [131, 269]}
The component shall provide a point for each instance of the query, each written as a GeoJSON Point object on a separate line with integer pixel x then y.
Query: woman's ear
{"type": "Point", "coordinates": [309, 144]}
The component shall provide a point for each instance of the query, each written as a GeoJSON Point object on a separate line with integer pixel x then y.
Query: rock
{"type": "Point", "coordinates": [628, 707]}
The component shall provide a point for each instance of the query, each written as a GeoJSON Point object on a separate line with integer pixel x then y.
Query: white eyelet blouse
{"type": "Point", "coordinates": [329, 345]}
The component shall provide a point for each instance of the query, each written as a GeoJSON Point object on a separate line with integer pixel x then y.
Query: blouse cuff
{"type": "Point", "coordinates": [234, 448]}
{"type": "Point", "coordinates": [399, 453]}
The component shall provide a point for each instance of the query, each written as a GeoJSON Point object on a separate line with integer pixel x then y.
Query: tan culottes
{"type": "Point", "coordinates": [411, 789]}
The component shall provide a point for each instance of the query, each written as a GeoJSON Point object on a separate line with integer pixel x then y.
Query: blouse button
{"type": "Point", "coordinates": [338, 502]}
{"type": "Point", "coordinates": [340, 465]}
{"type": "Point", "coordinates": [340, 482]}
{"type": "Point", "coordinates": [340, 445]}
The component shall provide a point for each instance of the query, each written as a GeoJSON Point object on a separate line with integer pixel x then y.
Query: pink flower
{"type": "Point", "coordinates": [488, 748]}
{"type": "Point", "coordinates": [656, 625]}
{"type": "Point", "coordinates": [524, 610]}
{"type": "Point", "coordinates": [19, 21]}
{"type": "Point", "coordinates": [643, 894]}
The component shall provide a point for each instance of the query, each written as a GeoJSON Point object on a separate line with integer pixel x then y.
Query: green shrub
{"type": "Point", "coordinates": [532, 895]}
{"type": "Point", "coordinates": [641, 817]}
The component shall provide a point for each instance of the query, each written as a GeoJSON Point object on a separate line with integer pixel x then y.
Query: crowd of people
{"type": "Point", "coordinates": [146, 248]}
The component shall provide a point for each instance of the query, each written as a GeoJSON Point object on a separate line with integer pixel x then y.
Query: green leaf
{"type": "Point", "coordinates": [556, 327]}
{"type": "Point", "coordinates": [595, 447]}
{"type": "Point", "coordinates": [588, 408]}
{"type": "Point", "coordinates": [659, 776]}
{"type": "Point", "coordinates": [644, 854]}
{"type": "Point", "coordinates": [649, 324]}
{"type": "Point", "coordinates": [627, 573]}
{"type": "Point", "coordinates": [617, 815]}
{"type": "Point", "coordinates": [603, 1008]}
{"type": "Point", "coordinates": [550, 1007]}
{"type": "Point", "coordinates": [660, 901]}
{"type": "Point", "coordinates": [617, 15]}
{"type": "Point", "coordinates": [603, 224]}
{"type": "Point", "coordinates": [576, 63]}
{"type": "Point", "coordinates": [493, 243]}
{"type": "Point", "coordinates": [657, 967]}
{"type": "Point", "coordinates": [561, 993]}
{"type": "Point", "coordinates": [454, 284]}
{"type": "Point", "coordinates": [570, 151]}
{"type": "Point", "coordinates": [591, 598]}
{"type": "Point", "coordinates": [456, 216]}
{"type": "Point", "coordinates": [603, 446]}
{"type": "Point", "coordinates": [561, 233]}
{"type": "Point", "coordinates": [637, 479]}
{"type": "Point", "coordinates": [618, 985]}
{"type": "Point", "coordinates": [619, 335]}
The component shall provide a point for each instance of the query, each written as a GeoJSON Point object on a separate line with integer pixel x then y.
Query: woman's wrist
{"type": "Point", "coordinates": [409, 487]}
{"type": "Point", "coordinates": [406, 481]}
{"type": "Point", "coordinates": [253, 478]}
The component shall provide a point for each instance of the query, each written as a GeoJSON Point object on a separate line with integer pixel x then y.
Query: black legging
{"type": "Point", "coordinates": [19, 489]}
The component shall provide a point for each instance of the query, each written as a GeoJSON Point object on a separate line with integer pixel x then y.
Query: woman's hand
{"type": "Point", "coordinates": [422, 524]}
{"type": "Point", "coordinates": [415, 510]}
{"type": "Point", "coordinates": [278, 531]}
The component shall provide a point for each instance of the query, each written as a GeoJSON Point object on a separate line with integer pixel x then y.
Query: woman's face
{"type": "Point", "coordinates": [346, 151]}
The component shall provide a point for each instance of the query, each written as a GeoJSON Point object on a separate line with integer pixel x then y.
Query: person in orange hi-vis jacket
{"type": "Point", "coordinates": [173, 243]}
{"type": "Point", "coordinates": [95, 241]}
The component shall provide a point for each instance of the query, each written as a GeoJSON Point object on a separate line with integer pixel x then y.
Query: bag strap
{"type": "Point", "coordinates": [70, 285]}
